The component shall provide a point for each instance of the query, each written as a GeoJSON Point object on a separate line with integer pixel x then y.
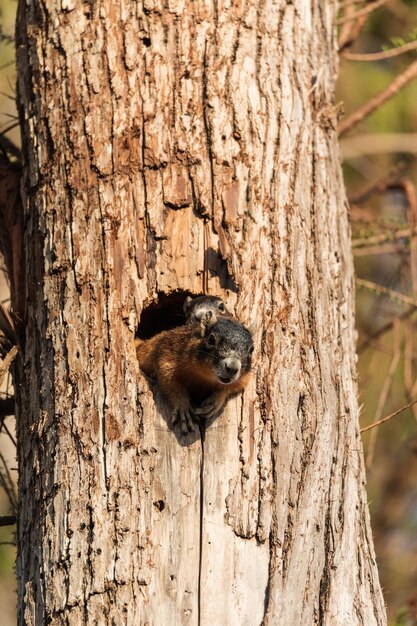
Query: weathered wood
{"type": "Point", "coordinates": [187, 146]}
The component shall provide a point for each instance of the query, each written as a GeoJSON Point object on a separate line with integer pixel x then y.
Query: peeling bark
{"type": "Point", "coordinates": [187, 146]}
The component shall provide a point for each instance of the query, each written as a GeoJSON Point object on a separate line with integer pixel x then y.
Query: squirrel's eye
{"type": "Point", "coordinates": [211, 339]}
{"type": "Point", "coordinates": [221, 307]}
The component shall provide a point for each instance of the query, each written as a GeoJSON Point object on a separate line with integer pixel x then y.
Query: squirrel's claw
{"type": "Point", "coordinates": [184, 418]}
{"type": "Point", "coordinates": [209, 408]}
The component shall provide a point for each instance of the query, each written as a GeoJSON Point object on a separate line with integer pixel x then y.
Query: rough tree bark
{"type": "Point", "coordinates": [187, 146]}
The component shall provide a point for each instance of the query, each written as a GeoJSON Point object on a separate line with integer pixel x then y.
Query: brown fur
{"type": "Point", "coordinates": [172, 358]}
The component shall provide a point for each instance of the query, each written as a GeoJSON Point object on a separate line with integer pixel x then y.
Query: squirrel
{"type": "Point", "coordinates": [196, 309]}
{"type": "Point", "coordinates": [198, 367]}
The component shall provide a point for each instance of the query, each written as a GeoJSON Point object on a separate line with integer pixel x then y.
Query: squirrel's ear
{"type": "Point", "coordinates": [186, 304]}
{"type": "Point", "coordinates": [206, 322]}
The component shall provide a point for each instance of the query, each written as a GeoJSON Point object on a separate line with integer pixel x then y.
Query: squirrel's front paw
{"type": "Point", "coordinates": [184, 418]}
{"type": "Point", "coordinates": [210, 407]}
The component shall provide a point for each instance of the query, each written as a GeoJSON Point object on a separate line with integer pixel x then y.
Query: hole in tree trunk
{"type": "Point", "coordinates": [163, 314]}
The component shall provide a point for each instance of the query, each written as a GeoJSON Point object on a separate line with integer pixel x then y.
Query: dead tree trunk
{"type": "Point", "coordinates": [171, 148]}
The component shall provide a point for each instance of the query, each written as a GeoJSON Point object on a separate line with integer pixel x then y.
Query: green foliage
{"type": "Point", "coordinates": [397, 42]}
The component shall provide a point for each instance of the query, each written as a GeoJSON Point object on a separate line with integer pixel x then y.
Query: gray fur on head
{"type": "Point", "coordinates": [197, 309]}
{"type": "Point", "coordinates": [230, 345]}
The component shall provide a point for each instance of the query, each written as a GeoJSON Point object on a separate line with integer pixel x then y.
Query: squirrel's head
{"type": "Point", "coordinates": [229, 346]}
{"type": "Point", "coordinates": [202, 308]}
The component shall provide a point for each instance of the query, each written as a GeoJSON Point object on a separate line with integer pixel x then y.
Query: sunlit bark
{"type": "Point", "coordinates": [187, 146]}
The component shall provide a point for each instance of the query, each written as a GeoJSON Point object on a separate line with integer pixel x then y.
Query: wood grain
{"type": "Point", "coordinates": [170, 146]}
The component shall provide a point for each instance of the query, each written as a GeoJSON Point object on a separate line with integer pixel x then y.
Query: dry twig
{"type": "Point", "coordinates": [385, 248]}
{"type": "Point", "coordinates": [7, 483]}
{"type": "Point", "coordinates": [380, 56]}
{"type": "Point", "coordinates": [408, 363]}
{"type": "Point", "coordinates": [376, 240]}
{"type": "Point", "coordinates": [394, 295]}
{"type": "Point", "coordinates": [410, 194]}
{"type": "Point", "coordinates": [374, 103]}
{"type": "Point", "coordinates": [348, 37]}
{"type": "Point", "coordinates": [350, 31]}
{"type": "Point", "coordinates": [364, 12]}
{"type": "Point", "coordinates": [385, 390]}
{"type": "Point", "coordinates": [8, 336]}
{"type": "Point", "coordinates": [7, 361]}
{"type": "Point", "coordinates": [349, 3]}
{"type": "Point", "coordinates": [8, 433]}
{"type": "Point", "coordinates": [378, 143]}
{"type": "Point", "coordinates": [378, 186]}
{"type": "Point", "coordinates": [384, 329]}
{"type": "Point", "coordinates": [385, 419]}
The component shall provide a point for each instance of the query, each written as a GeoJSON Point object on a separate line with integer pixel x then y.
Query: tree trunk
{"type": "Point", "coordinates": [175, 148]}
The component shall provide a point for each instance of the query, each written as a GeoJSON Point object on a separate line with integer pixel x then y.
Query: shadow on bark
{"type": "Point", "coordinates": [166, 412]}
{"type": "Point", "coordinates": [165, 313]}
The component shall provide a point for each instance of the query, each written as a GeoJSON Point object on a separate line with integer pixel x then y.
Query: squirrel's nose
{"type": "Point", "coordinates": [232, 367]}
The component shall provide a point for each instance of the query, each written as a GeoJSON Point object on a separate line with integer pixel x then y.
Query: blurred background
{"type": "Point", "coordinates": [377, 104]}
{"type": "Point", "coordinates": [378, 55]}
